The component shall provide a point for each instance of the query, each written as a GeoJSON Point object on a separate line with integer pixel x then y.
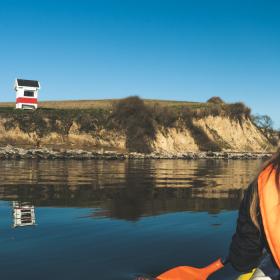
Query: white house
{"type": "Point", "coordinates": [26, 94]}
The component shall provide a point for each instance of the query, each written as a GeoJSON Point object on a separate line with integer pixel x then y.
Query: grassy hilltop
{"type": "Point", "coordinates": [104, 104]}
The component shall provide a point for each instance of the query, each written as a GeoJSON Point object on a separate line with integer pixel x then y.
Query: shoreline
{"type": "Point", "coordinates": [10, 152]}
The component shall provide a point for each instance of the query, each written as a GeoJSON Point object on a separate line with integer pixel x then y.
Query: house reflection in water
{"type": "Point", "coordinates": [24, 214]}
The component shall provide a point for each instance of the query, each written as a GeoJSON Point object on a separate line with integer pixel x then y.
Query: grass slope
{"type": "Point", "coordinates": [104, 104]}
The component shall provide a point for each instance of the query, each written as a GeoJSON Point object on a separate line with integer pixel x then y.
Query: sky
{"type": "Point", "coordinates": [187, 50]}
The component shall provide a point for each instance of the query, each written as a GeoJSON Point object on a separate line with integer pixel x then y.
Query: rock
{"type": "Point", "coordinates": [10, 152]}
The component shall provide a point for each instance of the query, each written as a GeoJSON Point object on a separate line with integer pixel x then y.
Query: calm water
{"type": "Point", "coordinates": [116, 219]}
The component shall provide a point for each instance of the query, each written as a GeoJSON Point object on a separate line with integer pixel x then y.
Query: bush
{"type": "Point", "coordinates": [164, 116]}
{"type": "Point", "coordinates": [87, 123]}
{"type": "Point", "coordinates": [27, 121]}
{"type": "Point", "coordinates": [45, 121]}
{"type": "Point", "coordinates": [238, 111]}
{"type": "Point", "coordinates": [216, 100]}
{"type": "Point", "coordinates": [213, 110]}
{"type": "Point", "coordinates": [132, 115]}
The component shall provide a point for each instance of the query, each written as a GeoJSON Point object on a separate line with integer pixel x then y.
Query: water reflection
{"type": "Point", "coordinates": [82, 206]}
{"type": "Point", "coordinates": [128, 189]}
{"type": "Point", "coordinates": [23, 214]}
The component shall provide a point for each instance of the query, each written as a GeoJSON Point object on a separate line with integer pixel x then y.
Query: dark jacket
{"type": "Point", "coordinates": [249, 248]}
{"type": "Point", "coordinates": [248, 242]}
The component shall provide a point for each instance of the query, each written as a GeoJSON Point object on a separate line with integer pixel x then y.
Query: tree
{"type": "Point", "coordinates": [265, 123]}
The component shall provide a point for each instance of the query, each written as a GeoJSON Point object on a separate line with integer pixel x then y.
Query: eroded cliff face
{"type": "Point", "coordinates": [234, 135]}
{"type": "Point", "coordinates": [228, 134]}
{"type": "Point", "coordinates": [174, 140]}
{"type": "Point", "coordinates": [99, 139]}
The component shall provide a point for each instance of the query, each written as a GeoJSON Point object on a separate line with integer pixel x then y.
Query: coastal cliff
{"type": "Point", "coordinates": [225, 134]}
{"type": "Point", "coordinates": [131, 125]}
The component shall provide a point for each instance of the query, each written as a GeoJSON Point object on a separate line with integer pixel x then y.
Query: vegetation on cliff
{"type": "Point", "coordinates": [139, 120]}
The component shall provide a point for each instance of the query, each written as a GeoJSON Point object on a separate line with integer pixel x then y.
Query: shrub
{"type": "Point", "coordinates": [27, 121]}
{"type": "Point", "coordinates": [238, 111]}
{"type": "Point", "coordinates": [87, 122]}
{"type": "Point", "coordinates": [132, 115]}
{"type": "Point", "coordinates": [164, 116]}
{"type": "Point", "coordinates": [216, 100]}
{"type": "Point", "coordinates": [44, 121]}
{"type": "Point", "coordinates": [213, 110]}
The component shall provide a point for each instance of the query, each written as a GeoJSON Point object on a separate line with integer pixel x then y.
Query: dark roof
{"type": "Point", "coordinates": [27, 83]}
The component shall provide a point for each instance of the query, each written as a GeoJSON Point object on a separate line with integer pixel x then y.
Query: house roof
{"type": "Point", "coordinates": [28, 83]}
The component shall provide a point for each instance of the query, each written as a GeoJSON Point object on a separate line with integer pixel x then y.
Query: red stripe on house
{"type": "Point", "coordinates": [27, 100]}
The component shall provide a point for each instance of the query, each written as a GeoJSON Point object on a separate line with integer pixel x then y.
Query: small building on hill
{"type": "Point", "coordinates": [27, 94]}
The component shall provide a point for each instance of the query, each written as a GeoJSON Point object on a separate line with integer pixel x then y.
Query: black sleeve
{"type": "Point", "coordinates": [247, 242]}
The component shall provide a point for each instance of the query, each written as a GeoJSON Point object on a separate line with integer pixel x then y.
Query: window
{"type": "Point", "coordinates": [31, 107]}
{"type": "Point", "coordinates": [29, 93]}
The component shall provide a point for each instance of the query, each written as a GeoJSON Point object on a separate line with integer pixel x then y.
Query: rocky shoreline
{"type": "Point", "coordinates": [10, 152]}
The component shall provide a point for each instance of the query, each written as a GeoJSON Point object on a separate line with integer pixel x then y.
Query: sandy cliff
{"type": "Point", "coordinates": [228, 134]}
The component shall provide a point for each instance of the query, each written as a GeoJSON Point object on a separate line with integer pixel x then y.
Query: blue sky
{"type": "Point", "coordinates": [175, 49]}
